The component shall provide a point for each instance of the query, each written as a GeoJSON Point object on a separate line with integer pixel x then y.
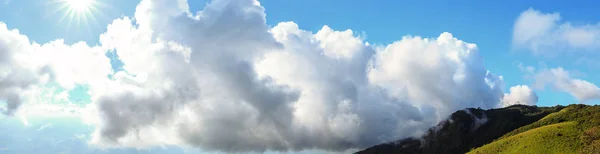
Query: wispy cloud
{"type": "Point", "coordinates": [546, 34]}
{"type": "Point", "coordinates": [41, 128]}
{"type": "Point", "coordinates": [562, 80]}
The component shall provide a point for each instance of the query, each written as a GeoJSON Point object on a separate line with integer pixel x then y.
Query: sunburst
{"type": "Point", "coordinates": [79, 12]}
{"type": "Point", "coordinates": [80, 6]}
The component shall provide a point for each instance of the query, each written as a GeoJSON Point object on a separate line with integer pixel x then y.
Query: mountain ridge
{"type": "Point", "coordinates": [468, 129]}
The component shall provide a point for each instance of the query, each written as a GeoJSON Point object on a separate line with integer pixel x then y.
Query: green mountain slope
{"type": "Point", "coordinates": [572, 130]}
{"type": "Point", "coordinates": [514, 129]}
{"type": "Point", "coordinates": [555, 138]}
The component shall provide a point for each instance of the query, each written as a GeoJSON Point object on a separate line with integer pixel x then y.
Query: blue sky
{"type": "Point", "coordinates": [489, 25]}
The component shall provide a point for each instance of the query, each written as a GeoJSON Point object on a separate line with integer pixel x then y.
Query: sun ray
{"type": "Point", "coordinates": [78, 13]}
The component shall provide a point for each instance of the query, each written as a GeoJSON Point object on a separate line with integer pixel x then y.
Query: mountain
{"type": "Point", "coordinates": [514, 129]}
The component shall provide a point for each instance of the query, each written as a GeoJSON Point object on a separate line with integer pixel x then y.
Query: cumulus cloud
{"type": "Point", "coordinates": [222, 79]}
{"type": "Point", "coordinates": [544, 33]}
{"type": "Point", "coordinates": [520, 94]}
{"type": "Point", "coordinates": [444, 73]}
{"type": "Point", "coordinates": [17, 73]}
{"type": "Point", "coordinates": [561, 79]}
{"type": "Point", "coordinates": [26, 68]}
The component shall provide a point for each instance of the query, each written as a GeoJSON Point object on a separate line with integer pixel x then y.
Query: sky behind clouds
{"type": "Point", "coordinates": [247, 76]}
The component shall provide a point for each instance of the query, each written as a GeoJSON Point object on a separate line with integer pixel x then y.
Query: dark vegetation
{"type": "Point", "coordinates": [462, 132]}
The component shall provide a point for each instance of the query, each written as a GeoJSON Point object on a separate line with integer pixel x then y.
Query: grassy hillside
{"type": "Point", "coordinates": [575, 129]}
{"type": "Point", "coordinates": [555, 138]}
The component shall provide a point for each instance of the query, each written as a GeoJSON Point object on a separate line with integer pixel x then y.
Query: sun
{"type": "Point", "coordinates": [80, 5]}
{"type": "Point", "coordinates": [78, 12]}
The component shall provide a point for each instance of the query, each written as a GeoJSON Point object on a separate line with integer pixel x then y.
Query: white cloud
{"type": "Point", "coordinates": [17, 73]}
{"type": "Point", "coordinates": [544, 33]}
{"type": "Point", "coordinates": [71, 65]}
{"type": "Point", "coordinates": [561, 79]}
{"type": "Point", "coordinates": [339, 44]}
{"type": "Point", "coordinates": [26, 68]}
{"type": "Point", "coordinates": [520, 94]}
{"type": "Point", "coordinates": [222, 79]}
{"type": "Point", "coordinates": [444, 73]}
{"type": "Point", "coordinates": [45, 110]}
